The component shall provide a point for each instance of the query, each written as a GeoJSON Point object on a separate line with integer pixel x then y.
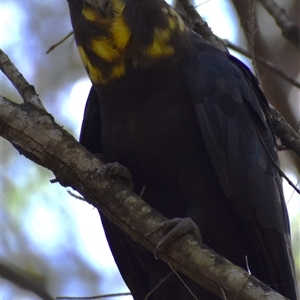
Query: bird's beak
{"type": "Point", "coordinates": [100, 5]}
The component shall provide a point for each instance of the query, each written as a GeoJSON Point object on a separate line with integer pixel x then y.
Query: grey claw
{"type": "Point", "coordinates": [115, 169]}
{"type": "Point", "coordinates": [174, 229]}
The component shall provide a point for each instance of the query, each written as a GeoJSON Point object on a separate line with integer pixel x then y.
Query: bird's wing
{"type": "Point", "coordinates": [129, 267]}
{"type": "Point", "coordinates": [90, 135]}
{"type": "Point", "coordinates": [232, 115]}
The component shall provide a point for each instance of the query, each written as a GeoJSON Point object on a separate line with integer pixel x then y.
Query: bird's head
{"type": "Point", "coordinates": [110, 34]}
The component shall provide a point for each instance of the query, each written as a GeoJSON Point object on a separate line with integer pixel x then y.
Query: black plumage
{"type": "Point", "coordinates": [192, 127]}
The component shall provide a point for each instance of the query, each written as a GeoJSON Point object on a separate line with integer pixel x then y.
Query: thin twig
{"type": "Point", "coordinates": [157, 286]}
{"type": "Point", "coordinates": [264, 62]}
{"type": "Point", "coordinates": [287, 202]}
{"type": "Point", "coordinates": [289, 137]}
{"type": "Point", "coordinates": [60, 42]}
{"type": "Point", "coordinates": [252, 30]}
{"type": "Point", "coordinates": [94, 297]}
{"type": "Point", "coordinates": [189, 290]}
{"type": "Point", "coordinates": [223, 293]}
{"type": "Point", "coordinates": [275, 164]}
{"type": "Point", "coordinates": [75, 196]}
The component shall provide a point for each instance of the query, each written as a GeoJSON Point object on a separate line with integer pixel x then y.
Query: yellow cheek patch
{"type": "Point", "coordinates": [94, 74]}
{"type": "Point", "coordinates": [82, 55]}
{"type": "Point", "coordinates": [103, 56]}
{"type": "Point", "coordinates": [175, 22]}
{"type": "Point", "coordinates": [160, 46]}
{"type": "Point", "coordinates": [158, 50]}
{"type": "Point", "coordinates": [172, 23]}
{"type": "Point", "coordinates": [103, 48]}
{"type": "Point", "coordinates": [180, 24]}
{"type": "Point", "coordinates": [97, 77]}
{"type": "Point", "coordinates": [90, 14]}
{"type": "Point", "coordinates": [119, 29]}
{"type": "Point", "coordinates": [117, 71]}
{"type": "Point", "coordinates": [121, 33]}
{"type": "Point", "coordinates": [118, 6]}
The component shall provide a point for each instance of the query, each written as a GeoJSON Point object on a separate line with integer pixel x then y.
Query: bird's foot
{"type": "Point", "coordinates": [115, 169]}
{"type": "Point", "coordinates": [174, 229]}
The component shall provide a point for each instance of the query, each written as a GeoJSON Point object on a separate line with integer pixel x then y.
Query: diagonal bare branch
{"type": "Point", "coordinates": [200, 25]}
{"type": "Point", "coordinates": [26, 90]}
{"type": "Point", "coordinates": [289, 137]}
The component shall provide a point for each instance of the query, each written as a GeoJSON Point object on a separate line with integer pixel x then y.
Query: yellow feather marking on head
{"type": "Point", "coordinates": [120, 31]}
{"type": "Point", "coordinates": [177, 20]}
{"type": "Point", "coordinates": [117, 70]}
{"type": "Point", "coordinates": [104, 49]}
{"type": "Point", "coordinates": [172, 23]}
{"type": "Point", "coordinates": [90, 14]}
{"type": "Point", "coordinates": [82, 55]}
{"type": "Point", "coordinates": [118, 6]}
{"type": "Point", "coordinates": [162, 35]}
{"type": "Point", "coordinates": [94, 74]}
{"type": "Point", "coordinates": [181, 24]}
{"type": "Point", "coordinates": [160, 47]}
{"type": "Point", "coordinates": [165, 10]}
{"type": "Point", "coordinates": [157, 50]}
{"type": "Point", "coordinates": [97, 77]}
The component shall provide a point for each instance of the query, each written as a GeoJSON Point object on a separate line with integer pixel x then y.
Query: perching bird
{"type": "Point", "coordinates": [192, 125]}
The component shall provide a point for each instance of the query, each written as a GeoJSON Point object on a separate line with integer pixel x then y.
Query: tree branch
{"type": "Point", "coordinates": [24, 280]}
{"type": "Point", "coordinates": [36, 135]}
{"type": "Point", "coordinates": [26, 90]}
{"type": "Point", "coordinates": [289, 137]}
{"type": "Point", "coordinates": [264, 62]}
{"type": "Point", "coordinates": [289, 29]}
{"type": "Point", "coordinates": [200, 26]}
